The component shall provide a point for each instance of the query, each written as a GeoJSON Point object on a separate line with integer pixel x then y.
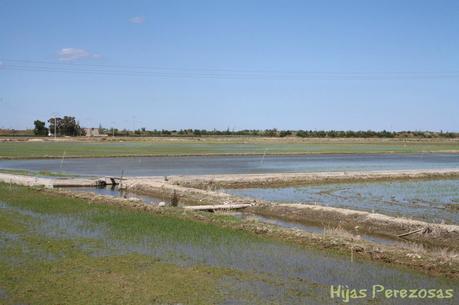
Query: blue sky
{"type": "Point", "coordinates": [231, 64]}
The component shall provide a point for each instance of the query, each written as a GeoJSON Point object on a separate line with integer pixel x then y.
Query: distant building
{"type": "Point", "coordinates": [93, 132]}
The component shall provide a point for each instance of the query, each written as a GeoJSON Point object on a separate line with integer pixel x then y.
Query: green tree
{"type": "Point", "coordinates": [40, 128]}
{"type": "Point", "coordinates": [66, 126]}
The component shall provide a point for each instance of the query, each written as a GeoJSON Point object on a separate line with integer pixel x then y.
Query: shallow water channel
{"type": "Point", "coordinates": [429, 200]}
{"type": "Point", "coordinates": [276, 272]}
{"type": "Point", "coordinates": [161, 166]}
{"type": "Point", "coordinates": [306, 228]}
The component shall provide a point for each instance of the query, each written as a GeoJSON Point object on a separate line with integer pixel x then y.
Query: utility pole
{"type": "Point", "coordinates": [113, 128]}
{"type": "Point", "coordinates": [55, 125]}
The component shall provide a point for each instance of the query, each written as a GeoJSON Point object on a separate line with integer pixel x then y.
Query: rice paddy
{"type": "Point", "coordinates": [62, 250]}
{"type": "Point", "coordinates": [201, 165]}
{"type": "Point", "coordinates": [217, 146]}
{"type": "Point", "coordinates": [58, 250]}
{"type": "Point", "coordinates": [429, 200]}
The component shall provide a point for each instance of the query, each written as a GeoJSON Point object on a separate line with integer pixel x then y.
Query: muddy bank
{"type": "Point", "coordinates": [434, 235]}
{"type": "Point", "coordinates": [292, 179]}
{"type": "Point", "coordinates": [160, 188]}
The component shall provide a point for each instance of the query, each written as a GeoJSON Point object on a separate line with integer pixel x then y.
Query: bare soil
{"type": "Point", "coordinates": [291, 179]}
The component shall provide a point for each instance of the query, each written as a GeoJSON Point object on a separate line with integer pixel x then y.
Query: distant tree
{"type": "Point", "coordinates": [284, 133]}
{"type": "Point", "coordinates": [271, 132]}
{"type": "Point", "coordinates": [70, 126]}
{"type": "Point", "coordinates": [55, 125]}
{"type": "Point", "coordinates": [40, 128]}
{"type": "Point", "coordinates": [301, 134]}
{"type": "Point", "coordinates": [67, 126]}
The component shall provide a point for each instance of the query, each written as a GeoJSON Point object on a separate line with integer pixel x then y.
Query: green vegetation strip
{"type": "Point", "coordinates": [56, 249]}
{"type": "Point", "coordinates": [39, 266]}
{"type": "Point", "coordinates": [49, 149]}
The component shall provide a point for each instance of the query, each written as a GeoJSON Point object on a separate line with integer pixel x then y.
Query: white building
{"type": "Point", "coordinates": [93, 132]}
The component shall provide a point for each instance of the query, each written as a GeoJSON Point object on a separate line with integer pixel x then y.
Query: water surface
{"type": "Point", "coordinates": [305, 228]}
{"type": "Point", "coordinates": [162, 166]}
{"type": "Point", "coordinates": [282, 273]}
{"type": "Point", "coordinates": [430, 200]}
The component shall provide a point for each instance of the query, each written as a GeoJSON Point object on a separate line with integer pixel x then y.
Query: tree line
{"type": "Point", "coordinates": [69, 126]}
{"type": "Point", "coordinates": [143, 132]}
{"type": "Point", "coordinates": [65, 126]}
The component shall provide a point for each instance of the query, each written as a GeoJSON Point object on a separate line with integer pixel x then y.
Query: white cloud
{"type": "Point", "coordinates": [137, 19]}
{"type": "Point", "coordinates": [70, 54]}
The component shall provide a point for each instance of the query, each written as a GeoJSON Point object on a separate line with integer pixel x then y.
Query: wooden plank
{"type": "Point", "coordinates": [412, 232]}
{"type": "Point", "coordinates": [216, 207]}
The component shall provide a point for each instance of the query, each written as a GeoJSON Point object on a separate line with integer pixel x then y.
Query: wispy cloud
{"type": "Point", "coordinates": [71, 54]}
{"type": "Point", "coordinates": [137, 19]}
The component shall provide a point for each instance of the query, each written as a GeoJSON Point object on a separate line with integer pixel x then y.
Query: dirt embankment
{"type": "Point", "coordinates": [437, 235]}
{"type": "Point", "coordinates": [158, 187]}
{"type": "Point", "coordinates": [291, 179]}
{"type": "Point", "coordinates": [51, 182]}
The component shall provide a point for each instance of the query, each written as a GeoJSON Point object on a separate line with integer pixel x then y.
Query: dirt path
{"type": "Point", "coordinates": [50, 182]}
{"type": "Point", "coordinates": [288, 179]}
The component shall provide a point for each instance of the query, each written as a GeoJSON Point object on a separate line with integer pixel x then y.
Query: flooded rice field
{"type": "Point", "coordinates": [429, 200]}
{"type": "Point", "coordinates": [273, 272]}
{"type": "Point", "coordinates": [148, 199]}
{"type": "Point", "coordinates": [161, 166]}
